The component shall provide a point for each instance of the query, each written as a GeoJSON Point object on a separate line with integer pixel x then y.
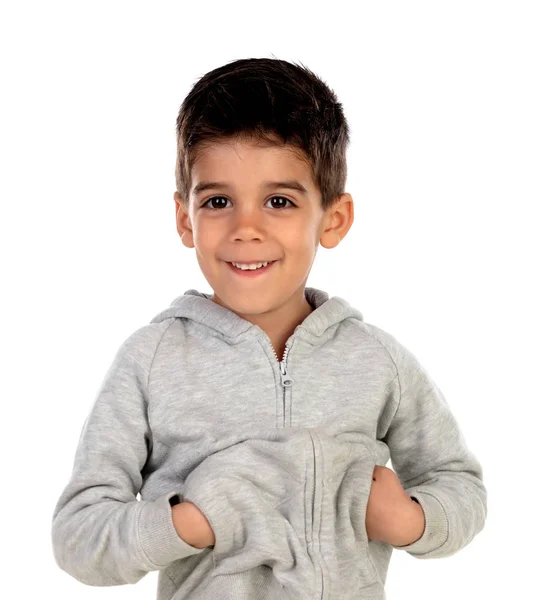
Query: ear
{"type": "Point", "coordinates": [184, 227]}
{"type": "Point", "coordinates": [336, 222]}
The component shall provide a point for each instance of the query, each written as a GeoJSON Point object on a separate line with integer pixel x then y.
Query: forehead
{"type": "Point", "coordinates": [245, 162]}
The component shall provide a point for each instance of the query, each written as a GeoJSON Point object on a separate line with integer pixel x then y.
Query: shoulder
{"type": "Point", "coordinates": [142, 343]}
{"type": "Point", "coordinates": [379, 336]}
{"type": "Point", "coordinates": [401, 356]}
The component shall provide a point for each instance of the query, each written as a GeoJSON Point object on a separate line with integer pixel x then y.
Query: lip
{"type": "Point", "coordinates": [252, 272]}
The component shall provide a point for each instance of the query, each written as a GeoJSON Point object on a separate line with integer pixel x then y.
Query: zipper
{"type": "Point", "coordinates": [284, 375]}
{"type": "Point", "coordinates": [286, 382]}
{"type": "Point", "coordinates": [285, 379]}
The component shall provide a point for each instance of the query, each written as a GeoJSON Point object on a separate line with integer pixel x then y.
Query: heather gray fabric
{"type": "Point", "coordinates": [193, 408]}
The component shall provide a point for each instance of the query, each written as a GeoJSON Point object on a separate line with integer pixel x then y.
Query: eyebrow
{"type": "Point", "coordinates": [291, 184]}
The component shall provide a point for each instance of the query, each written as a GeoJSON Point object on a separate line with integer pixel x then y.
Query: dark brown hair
{"type": "Point", "coordinates": [270, 101]}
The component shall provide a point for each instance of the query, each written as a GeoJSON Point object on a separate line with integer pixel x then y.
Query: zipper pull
{"type": "Point", "coordinates": [284, 376]}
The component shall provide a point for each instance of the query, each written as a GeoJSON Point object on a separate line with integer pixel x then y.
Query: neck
{"type": "Point", "coordinates": [280, 323]}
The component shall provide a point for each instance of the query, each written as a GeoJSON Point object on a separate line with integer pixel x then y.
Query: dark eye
{"type": "Point", "coordinates": [210, 203]}
{"type": "Point", "coordinates": [281, 198]}
{"type": "Point", "coordinates": [212, 199]}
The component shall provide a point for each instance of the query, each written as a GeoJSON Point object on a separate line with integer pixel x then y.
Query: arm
{"type": "Point", "coordinates": [431, 459]}
{"type": "Point", "coordinates": [101, 534]}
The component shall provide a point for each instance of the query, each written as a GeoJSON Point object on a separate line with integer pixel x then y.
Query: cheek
{"type": "Point", "coordinates": [295, 232]}
{"type": "Point", "coordinates": [301, 239]}
{"type": "Point", "coordinates": [205, 236]}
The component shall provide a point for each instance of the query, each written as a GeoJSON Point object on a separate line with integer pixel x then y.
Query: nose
{"type": "Point", "coordinates": [248, 224]}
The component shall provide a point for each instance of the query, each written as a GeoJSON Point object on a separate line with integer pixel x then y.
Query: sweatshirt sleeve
{"type": "Point", "coordinates": [432, 461]}
{"type": "Point", "coordinates": [101, 534]}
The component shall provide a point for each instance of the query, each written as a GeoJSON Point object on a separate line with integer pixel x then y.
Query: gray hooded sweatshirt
{"type": "Point", "coordinates": [277, 454]}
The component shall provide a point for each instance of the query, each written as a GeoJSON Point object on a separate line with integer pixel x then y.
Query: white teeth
{"type": "Point", "coordinates": [251, 266]}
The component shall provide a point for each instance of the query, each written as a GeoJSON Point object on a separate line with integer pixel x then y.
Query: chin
{"type": "Point", "coordinates": [247, 307]}
{"type": "Point", "coordinates": [244, 303]}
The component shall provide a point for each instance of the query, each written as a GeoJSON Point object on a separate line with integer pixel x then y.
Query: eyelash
{"type": "Point", "coordinates": [204, 205]}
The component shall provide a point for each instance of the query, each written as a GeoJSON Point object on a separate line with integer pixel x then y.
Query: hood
{"type": "Point", "coordinates": [199, 307]}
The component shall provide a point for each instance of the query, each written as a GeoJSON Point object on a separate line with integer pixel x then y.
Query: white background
{"type": "Point", "coordinates": [443, 101]}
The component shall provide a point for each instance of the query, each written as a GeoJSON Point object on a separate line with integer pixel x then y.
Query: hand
{"type": "Point", "coordinates": [391, 515]}
{"type": "Point", "coordinates": [192, 525]}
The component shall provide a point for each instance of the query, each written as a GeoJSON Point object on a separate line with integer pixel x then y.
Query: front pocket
{"type": "Point", "coordinates": [292, 505]}
{"type": "Point", "coordinates": [346, 470]}
{"type": "Point", "coordinates": [252, 495]}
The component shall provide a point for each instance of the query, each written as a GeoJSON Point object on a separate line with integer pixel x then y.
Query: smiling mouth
{"type": "Point", "coordinates": [256, 271]}
{"type": "Point", "coordinates": [244, 263]}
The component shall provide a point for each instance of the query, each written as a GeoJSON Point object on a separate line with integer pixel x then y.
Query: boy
{"type": "Point", "coordinates": [256, 422]}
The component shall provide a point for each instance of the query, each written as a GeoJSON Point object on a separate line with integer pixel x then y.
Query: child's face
{"type": "Point", "coordinates": [250, 222]}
